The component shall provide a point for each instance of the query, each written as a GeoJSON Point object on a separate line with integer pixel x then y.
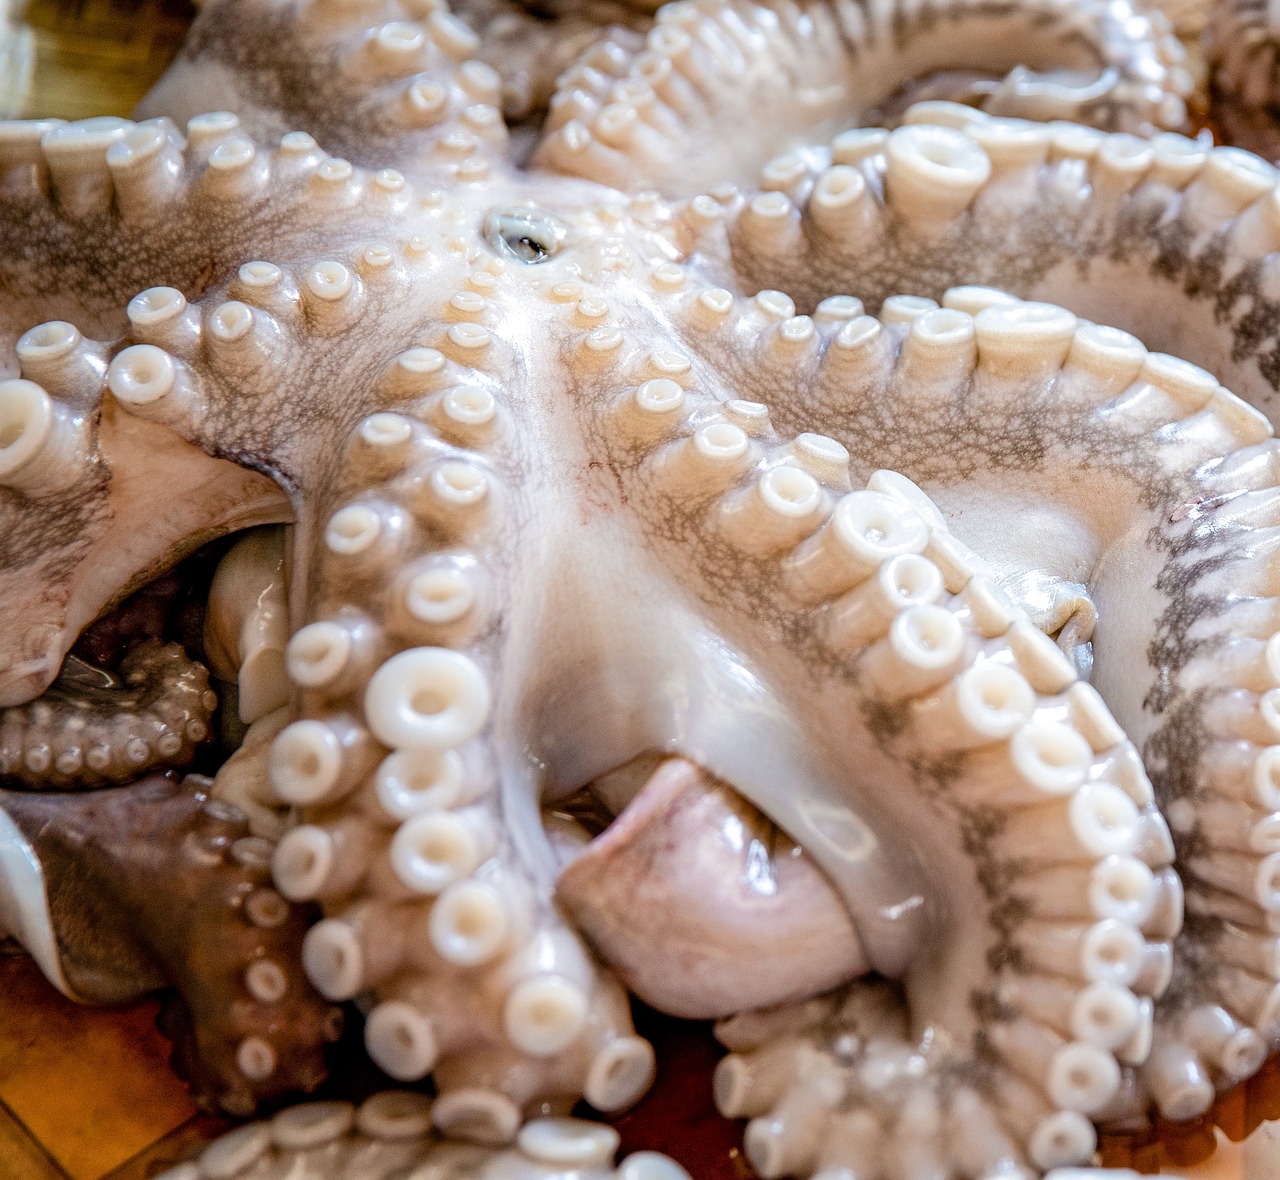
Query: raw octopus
{"type": "Point", "coordinates": [689, 541]}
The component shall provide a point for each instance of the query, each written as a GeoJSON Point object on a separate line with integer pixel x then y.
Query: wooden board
{"type": "Point", "coordinates": [86, 1093]}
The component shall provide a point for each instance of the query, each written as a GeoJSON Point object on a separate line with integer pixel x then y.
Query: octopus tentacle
{"type": "Point", "coordinates": [530, 51]}
{"type": "Point", "coordinates": [246, 626]}
{"type": "Point", "coordinates": [430, 910]}
{"type": "Point", "coordinates": [396, 85]}
{"type": "Point", "coordinates": [708, 69]}
{"type": "Point", "coordinates": [389, 1135]}
{"type": "Point", "coordinates": [89, 206]}
{"type": "Point", "coordinates": [1049, 818]}
{"type": "Point", "coordinates": [1157, 425]}
{"type": "Point", "coordinates": [152, 884]}
{"type": "Point", "coordinates": [70, 519]}
{"type": "Point", "coordinates": [77, 536]}
{"type": "Point", "coordinates": [826, 1093]}
{"type": "Point", "coordinates": [255, 336]}
{"type": "Point", "coordinates": [90, 729]}
{"type": "Point", "coordinates": [1056, 212]}
{"type": "Point", "coordinates": [243, 782]}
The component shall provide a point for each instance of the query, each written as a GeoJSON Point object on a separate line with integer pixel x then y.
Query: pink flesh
{"type": "Point", "coordinates": [703, 906]}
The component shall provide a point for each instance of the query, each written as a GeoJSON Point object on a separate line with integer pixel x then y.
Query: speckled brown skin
{"type": "Point", "coordinates": [92, 732]}
{"type": "Point", "coordinates": [151, 885]}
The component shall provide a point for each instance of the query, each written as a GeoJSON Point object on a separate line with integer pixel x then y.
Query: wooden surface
{"type": "Point", "coordinates": [99, 57]}
{"type": "Point", "coordinates": [86, 1093]}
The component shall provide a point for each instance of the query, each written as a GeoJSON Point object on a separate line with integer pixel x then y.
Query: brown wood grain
{"type": "Point", "coordinates": [92, 1087]}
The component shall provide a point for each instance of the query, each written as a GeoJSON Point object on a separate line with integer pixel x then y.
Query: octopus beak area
{"type": "Point", "coordinates": [697, 900]}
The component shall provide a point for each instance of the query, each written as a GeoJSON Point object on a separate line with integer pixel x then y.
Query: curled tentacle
{"type": "Point", "coordinates": [432, 910]}
{"type": "Point", "coordinates": [153, 885]}
{"type": "Point", "coordinates": [76, 536]}
{"type": "Point", "coordinates": [983, 722]}
{"type": "Point", "coordinates": [81, 473]}
{"type": "Point", "coordinates": [1056, 212]}
{"type": "Point", "coordinates": [399, 84]}
{"type": "Point", "coordinates": [389, 1135]}
{"type": "Point", "coordinates": [1152, 429]}
{"type": "Point", "coordinates": [530, 52]}
{"type": "Point", "coordinates": [98, 493]}
{"type": "Point", "coordinates": [685, 112]}
{"type": "Point", "coordinates": [92, 728]}
{"type": "Point", "coordinates": [89, 205]}
{"type": "Point", "coordinates": [247, 627]}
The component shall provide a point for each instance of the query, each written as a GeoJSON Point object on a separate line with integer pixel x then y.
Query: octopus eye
{"type": "Point", "coordinates": [524, 234]}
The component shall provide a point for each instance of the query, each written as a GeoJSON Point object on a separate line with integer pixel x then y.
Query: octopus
{"type": "Point", "coordinates": [17, 55]}
{"type": "Point", "coordinates": [770, 508]}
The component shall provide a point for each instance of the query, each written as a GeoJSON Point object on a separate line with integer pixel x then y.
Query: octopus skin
{"type": "Point", "coordinates": [84, 733]}
{"type": "Point", "coordinates": [596, 481]}
{"type": "Point", "coordinates": [1240, 47]}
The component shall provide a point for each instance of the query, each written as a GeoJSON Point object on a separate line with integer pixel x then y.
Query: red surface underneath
{"type": "Point", "coordinates": [678, 1116]}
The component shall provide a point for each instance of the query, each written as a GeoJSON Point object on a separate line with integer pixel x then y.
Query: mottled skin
{"type": "Point", "coordinates": [512, 410]}
{"type": "Point", "coordinates": [152, 884]}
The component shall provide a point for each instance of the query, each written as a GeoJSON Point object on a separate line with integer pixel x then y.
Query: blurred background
{"type": "Point", "coordinates": [89, 57]}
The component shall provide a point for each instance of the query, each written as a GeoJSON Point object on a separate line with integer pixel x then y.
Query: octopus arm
{"type": "Point", "coordinates": [947, 720]}
{"type": "Point", "coordinates": [107, 474]}
{"type": "Point", "coordinates": [434, 910]}
{"type": "Point", "coordinates": [95, 212]}
{"type": "Point", "coordinates": [1070, 215]}
{"type": "Point", "coordinates": [530, 51]}
{"type": "Point", "coordinates": [684, 112]}
{"type": "Point", "coordinates": [1170, 480]}
{"type": "Point", "coordinates": [389, 1135]}
{"type": "Point", "coordinates": [154, 884]}
{"type": "Point", "coordinates": [94, 502]}
{"type": "Point", "coordinates": [392, 84]}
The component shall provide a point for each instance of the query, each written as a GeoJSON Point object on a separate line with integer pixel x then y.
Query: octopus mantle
{"type": "Point", "coordinates": [691, 548]}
